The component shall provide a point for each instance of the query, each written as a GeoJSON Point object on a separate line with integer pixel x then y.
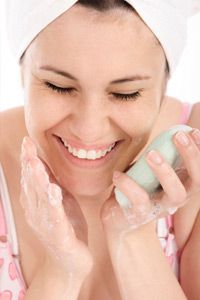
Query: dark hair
{"type": "Point", "coordinates": [104, 5]}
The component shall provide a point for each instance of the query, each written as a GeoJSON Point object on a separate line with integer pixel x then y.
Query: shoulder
{"type": "Point", "coordinates": [177, 105]}
{"type": "Point", "coordinates": [12, 131]}
{"type": "Point", "coordinates": [12, 117]}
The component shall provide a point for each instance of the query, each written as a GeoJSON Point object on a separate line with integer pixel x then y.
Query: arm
{"type": "Point", "coordinates": [51, 283]}
{"type": "Point", "coordinates": [141, 268]}
{"type": "Point", "coordinates": [190, 263]}
{"type": "Point", "coordinates": [67, 258]}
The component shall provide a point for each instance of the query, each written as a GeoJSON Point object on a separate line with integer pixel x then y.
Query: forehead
{"type": "Point", "coordinates": [85, 33]}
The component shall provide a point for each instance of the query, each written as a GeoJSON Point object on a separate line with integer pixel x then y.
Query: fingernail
{"type": "Point", "coordinates": [182, 138]}
{"type": "Point", "coordinates": [116, 175]}
{"type": "Point", "coordinates": [154, 157]}
{"type": "Point", "coordinates": [196, 136]}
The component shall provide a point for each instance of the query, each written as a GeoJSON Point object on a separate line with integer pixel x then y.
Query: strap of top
{"type": "Point", "coordinates": [6, 215]}
{"type": "Point", "coordinates": [187, 108]}
{"type": "Point", "coordinates": [3, 229]}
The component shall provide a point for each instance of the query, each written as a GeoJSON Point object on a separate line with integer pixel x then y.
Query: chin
{"type": "Point", "coordinates": [86, 186]}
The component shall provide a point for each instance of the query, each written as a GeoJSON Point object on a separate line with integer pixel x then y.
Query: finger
{"type": "Point", "coordinates": [44, 211]}
{"type": "Point", "coordinates": [54, 195]}
{"type": "Point", "coordinates": [26, 188]}
{"type": "Point", "coordinates": [30, 163]}
{"type": "Point", "coordinates": [45, 214]}
{"type": "Point", "coordinates": [190, 153]}
{"type": "Point", "coordinates": [28, 148]}
{"type": "Point", "coordinates": [56, 213]}
{"type": "Point", "coordinates": [55, 208]}
{"type": "Point", "coordinates": [41, 192]}
{"type": "Point", "coordinates": [28, 152]}
{"type": "Point", "coordinates": [136, 196]}
{"type": "Point", "coordinates": [35, 182]}
{"type": "Point", "coordinates": [195, 134]}
{"type": "Point", "coordinates": [31, 186]}
{"type": "Point", "coordinates": [168, 179]}
{"type": "Point", "coordinates": [38, 186]}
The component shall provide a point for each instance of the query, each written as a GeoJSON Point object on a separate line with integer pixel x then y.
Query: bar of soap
{"type": "Point", "coordinates": [142, 174]}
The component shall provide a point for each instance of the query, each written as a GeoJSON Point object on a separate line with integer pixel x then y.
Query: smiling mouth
{"type": "Point", "coordinates": [88, 155]}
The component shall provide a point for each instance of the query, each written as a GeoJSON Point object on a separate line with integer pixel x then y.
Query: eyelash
{"type": "Point", "coordinates": [58, 89]}
{"type": "Point", "coordinates": [122, 97]}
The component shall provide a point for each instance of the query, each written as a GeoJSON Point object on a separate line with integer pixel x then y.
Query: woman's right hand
{"type": "Point", "coordinates": [44, 205]}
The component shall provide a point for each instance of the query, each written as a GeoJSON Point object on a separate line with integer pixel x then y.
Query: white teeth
{"type": "Point", "coordinates": [83, 154]}
{"type": "Point", "coordinates": [92, 154]}
{"type": "Point", "coordinates": [70, 149]}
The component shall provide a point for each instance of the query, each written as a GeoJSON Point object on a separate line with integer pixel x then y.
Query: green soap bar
{"type": "Point", "coordinates": [142, 173]}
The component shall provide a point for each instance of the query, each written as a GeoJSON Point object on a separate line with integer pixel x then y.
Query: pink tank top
{"type": "Point", "coordinates": [12, 284]}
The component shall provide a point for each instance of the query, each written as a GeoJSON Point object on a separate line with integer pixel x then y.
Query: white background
{"type": "Point", "coordinates": [184, 84]}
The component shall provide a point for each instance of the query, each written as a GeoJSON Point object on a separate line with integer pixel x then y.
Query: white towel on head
{"type": "Point", "coordinates": [168, 21]}
{"type": "Point", "coordinates": [166, 18]}
{"type": "Point", "coordinates": [26, 18]}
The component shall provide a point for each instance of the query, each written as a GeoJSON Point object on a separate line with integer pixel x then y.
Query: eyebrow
{"type": "Point", "coordinates": [68, 75]}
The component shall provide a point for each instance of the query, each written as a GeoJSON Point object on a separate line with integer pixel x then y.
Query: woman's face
{"type": "Point", "coordinates": [92, 58]}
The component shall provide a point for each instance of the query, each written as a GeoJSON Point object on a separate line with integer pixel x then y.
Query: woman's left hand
{"type": "Point", "coordinates": [176, 192]}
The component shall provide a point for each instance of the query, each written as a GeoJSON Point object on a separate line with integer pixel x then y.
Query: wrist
{"type": "Point", "coordinates": [51, 282]}
{"type": "Point", "coordinates": [54, 269]}
{"type": "Point", "coordinates": [129, 232]}
{"type": "Point", "coordinates": [131, 238]}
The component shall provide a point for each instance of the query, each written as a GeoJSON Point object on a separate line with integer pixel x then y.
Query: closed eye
{"type": "Point", "coordinates": [59, 89]}
{"type": "Point", "coordinates": [122, 97]}
{"type": "Point", "coordinates": [127, 97]}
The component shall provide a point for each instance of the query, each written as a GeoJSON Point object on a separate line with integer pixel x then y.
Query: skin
{"type": "Point", "coordinates": [46, 113]}
{"type": "Point", "coordinates": [92, 93]}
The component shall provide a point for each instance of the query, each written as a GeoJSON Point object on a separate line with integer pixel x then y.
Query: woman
{"type": "Point", "coordinates": [94, 78]}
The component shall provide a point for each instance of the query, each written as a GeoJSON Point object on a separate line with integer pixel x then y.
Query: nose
{"type": "Point", "coordinates": [90, 122]}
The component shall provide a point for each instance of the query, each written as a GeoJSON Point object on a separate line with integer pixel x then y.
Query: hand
{"type": "Point", "coordinates": [47, 209]}
{"type": "Point", "coordinates": [177, 188]}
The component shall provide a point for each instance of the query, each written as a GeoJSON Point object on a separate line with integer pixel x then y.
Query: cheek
{"type": "Point", "coordinates": [39, 120]}
{"type": "Point", "coordinates": [43, 112]}
{"type": "Point", "coordinates": [43, 108]}
{"type": "Point", "coordinates": [138, 127]}
{"type": "Point", "coordinates": [138, 123]}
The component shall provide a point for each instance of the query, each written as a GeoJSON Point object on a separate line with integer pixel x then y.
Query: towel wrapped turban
{"type": "Point", "coordinates": [167, 19]}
